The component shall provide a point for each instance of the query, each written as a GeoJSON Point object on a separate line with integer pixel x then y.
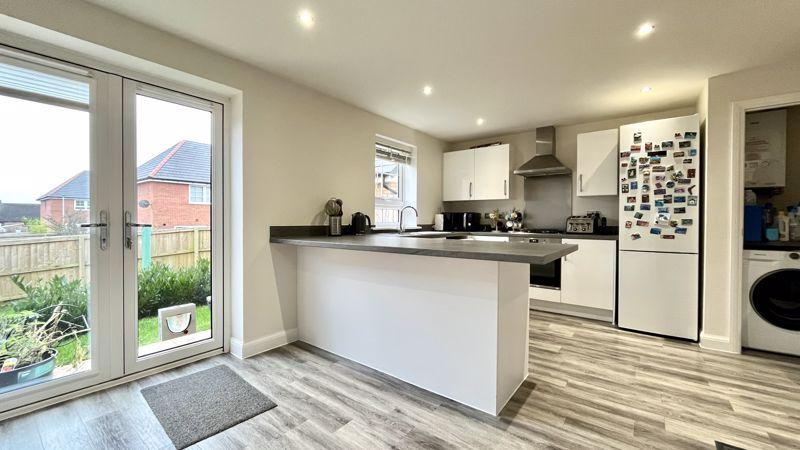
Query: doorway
{"type": "Point", "coordinates": [111, 227]}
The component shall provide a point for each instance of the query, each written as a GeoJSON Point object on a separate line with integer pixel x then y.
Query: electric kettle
{"type": "Point", "coordinates": [360, 223]}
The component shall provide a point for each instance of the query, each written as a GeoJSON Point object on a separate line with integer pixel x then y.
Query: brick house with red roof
{"type": "Point", "coordinates": [173, 189]}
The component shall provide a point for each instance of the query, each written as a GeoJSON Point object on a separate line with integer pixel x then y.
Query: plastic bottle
{"type": "Point", "coordinates": [783, 226]}
{"type": "Point", "coordinates": [794, 226]}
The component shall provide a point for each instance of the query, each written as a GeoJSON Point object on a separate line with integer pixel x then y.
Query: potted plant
{"type": "Point", "coordinates": [29, 341]}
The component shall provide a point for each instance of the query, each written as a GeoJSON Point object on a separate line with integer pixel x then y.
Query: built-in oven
{"type": "Point", "coordinates": [546, 276]}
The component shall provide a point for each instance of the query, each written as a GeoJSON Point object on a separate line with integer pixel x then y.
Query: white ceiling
{"type": "Point", "coordinates": [517, 63]}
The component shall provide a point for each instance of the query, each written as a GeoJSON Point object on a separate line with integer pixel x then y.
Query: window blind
{"type": "Point", "coordinates": [393, 154]}
{"type": "Point", "coordinates": [25, 83]}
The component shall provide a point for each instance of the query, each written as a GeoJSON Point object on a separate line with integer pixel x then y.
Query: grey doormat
{"type": "Point", "coordinates": [196, 406]}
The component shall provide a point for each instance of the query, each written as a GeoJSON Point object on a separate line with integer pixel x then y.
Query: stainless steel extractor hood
{"type": "Point", "coordinates": [544, 163]}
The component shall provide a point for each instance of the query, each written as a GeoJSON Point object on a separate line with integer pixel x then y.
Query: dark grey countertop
{"type": "Point", "coordinates": [781, 246]}
{"type": "Point", "coordinates": [602, 237]}
{"type": "Point", "coordinates": [519, 252]}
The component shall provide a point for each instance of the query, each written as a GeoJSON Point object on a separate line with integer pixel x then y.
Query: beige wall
{"type": "Point", "coordinates": [765, 81]}
{"type": "Point", "coordinates": [523, 147]}
{"type": "Point", "coordinates": [297, 149]}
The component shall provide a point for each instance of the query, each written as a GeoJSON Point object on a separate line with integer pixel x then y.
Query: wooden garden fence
{"type": "Point", "coordinates": [42, 257]}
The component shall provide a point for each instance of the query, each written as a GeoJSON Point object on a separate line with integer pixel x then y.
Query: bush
{"type": "Point", "coordinates": [59, 290]}
{"type": "Point", "coordinates": [161, 286]}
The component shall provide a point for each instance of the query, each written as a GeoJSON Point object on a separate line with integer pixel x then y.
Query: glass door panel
{"type": "Point", "coordinates": [171, 300]}
{"type": "Point", "coordinates": [54, 233]}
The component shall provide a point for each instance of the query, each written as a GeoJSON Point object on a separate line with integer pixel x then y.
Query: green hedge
{"type": "Point", "coordinates": [159, 286]}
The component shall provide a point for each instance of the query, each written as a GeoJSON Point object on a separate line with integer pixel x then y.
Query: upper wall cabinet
{"type": "Point", "coordinates": [597, 163]}
{"type": "Point", "coordinates": [477, 174]}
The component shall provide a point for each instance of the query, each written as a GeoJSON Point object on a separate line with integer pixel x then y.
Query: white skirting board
{"type": "Point", "coordinates": [247, 349]}
{"type": "Point", "coordinates": [456, 327]}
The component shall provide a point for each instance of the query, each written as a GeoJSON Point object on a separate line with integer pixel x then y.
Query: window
{"type": "Point", "coordinates": [200, 194]}
{"type": "Point", "coordinates": [81, 205]}
{"type": "Point", "coordinates": [395, 182]}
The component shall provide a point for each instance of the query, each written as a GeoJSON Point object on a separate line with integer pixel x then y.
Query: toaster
{"type": "Point", "coordinates": [591, 223]}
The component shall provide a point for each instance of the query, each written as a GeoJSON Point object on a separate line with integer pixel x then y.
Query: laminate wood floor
{"type": "Point", "coordinates": [591, 386]}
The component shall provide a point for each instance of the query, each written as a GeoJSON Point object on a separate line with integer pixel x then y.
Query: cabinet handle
{"type": "Point", "coordinates": [580, 182]}
{"type": "Point", "coordinates": [470, 189]}
{"type": "Point", "coordinates": [505, 188]}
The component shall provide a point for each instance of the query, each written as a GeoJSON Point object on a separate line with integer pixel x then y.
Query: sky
{"type": "Point", "coordinates": [41, 145]}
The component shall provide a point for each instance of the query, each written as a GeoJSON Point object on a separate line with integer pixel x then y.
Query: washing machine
{"type": "Point", "coordinates": [771, 301]}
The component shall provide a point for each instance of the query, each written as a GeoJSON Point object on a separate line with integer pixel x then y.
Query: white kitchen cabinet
{"type": "Point", "coordinates": [492, 171]}
{"type": "Point", "coordinates": [458, 175]}
{"type": "Point", "coordinates": [589, 275]}
{"type": "Point", "coordinates": [477, 174]}
{"type": "Point", "coordinates": [596, 172]}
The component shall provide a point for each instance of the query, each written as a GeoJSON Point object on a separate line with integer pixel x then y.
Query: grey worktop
{"type": "Point", "coordinates": [519, 252]}
{"type": "Point", "coordinates": [602, 237]}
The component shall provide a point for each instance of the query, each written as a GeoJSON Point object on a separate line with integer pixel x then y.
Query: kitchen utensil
{"type": "Point", "coordinates": [333, 208]}
{"type": "Point", "coordinates": [360, 223]}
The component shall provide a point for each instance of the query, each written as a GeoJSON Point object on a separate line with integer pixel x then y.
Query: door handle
{"type": "Point", "coordinates": [129, 226]}
{"type": "Point", "coordinates": [505, 187]}
{"type": "Point", "coordinates": [470, 189]}
{"type": "Point", "coordinates": [103, 226]}
{"type": "Point", "coordinates": [580, 182]}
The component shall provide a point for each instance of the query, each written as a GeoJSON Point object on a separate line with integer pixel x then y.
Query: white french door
{"type": "Point", "coordinates": [172, 163]}
{"type": "Point", "coordinates": [114, 264]}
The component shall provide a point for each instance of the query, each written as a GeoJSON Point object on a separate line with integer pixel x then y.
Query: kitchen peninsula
{"type": "Point", "coordinates": [447, 315]}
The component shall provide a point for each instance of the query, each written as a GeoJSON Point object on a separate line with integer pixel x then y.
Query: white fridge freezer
{"type": "Point", "coordinates": [659, 233]}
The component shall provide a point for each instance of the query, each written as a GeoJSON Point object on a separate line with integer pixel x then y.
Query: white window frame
{"type": "Point", "coordinates": [408, 185]}
{"type": "Point", "coordinates": [206, 194]}
{"type": "Point", "coordinates": [84, 205]}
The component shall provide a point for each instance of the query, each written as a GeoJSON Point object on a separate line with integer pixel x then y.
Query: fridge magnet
{"type": "Point", "coordinates": [636, 236]}
{"type": "Point", "coordinates": [636, 148]}
{"type": "Point", "coordinates": [685, 181]}
{"type": "Point", "coordinates": [645, 188]}
{"type": "Point", "coordinates": [664, 210]}
{"type": "Point", "coordinates": [684, 144]}
{"type": "Point", "coordinates": [686, 221]}
{"type": "Point", "coordinates": [628, 224]}
{"type": "Point", "coordinates": [655, 160]}
{"type": "Point", "coordinates": [624, 188]}
{"type": "Point", "coordinates": [668, 198]}
{"type": "Point", "coordinates": [659, 153]}
{"type": "Point", "coordinates": [628, 208]}
{"type": "Point", "coordinates": [680, 190]}
{"type": "Point", "coordinates": [644, 160]}
{"type": "Point", "coordinates": [680, 199]}
{"type": "Point", "coordinates": [690, 135]}
{"type": "Point", "coordinates": [687, 161]}
{"type": "Point", "coordinates": [692, 200]}
{"type": "Point", "coordinates": [642, 223]}
{"type": "Point", "coordinates": [655, 230]}
{"type": "Point", "coordinates": [666, 144]}
{"type": "Point", "coordinates": [670, 184]}
{"type": "Point", "coordinates": [660, 178]}
{"type": "Point", "coordinates": [680, 230]}
{"type": "Point", "coordinates": [691, 188]}
{"type": "Point", "coordinates": [631, 173]}
{"type": "Point", "coordinates": [625, 154]}
{"type": "Point", "coordinates": [638, 215]}
{"type": "Point", "coordinates": [660, 192]}
{"type": "Point", "coordinates": [670, 168]}
{"type": "Point", "coordinates": [660, 169]}
{"type": "Point", "coordinates": [690, 173]}
{"type": "Point", "coordinates": [634, 185]}
{"type": "Point", "coordinates": [624, 165]}
{"type": "Point", "coordinates": [637, 137]}
{"type": "Point", "coordinates": [631, 199]}
{"type": "Point", "coordinates": [667, 236]}
{"type": "Point", "coordinates": [673, 223]}
{"type": "Point", "coordinates": [656, 147]}
{"type": "Point", "coordinates": [648, 146]}
{"type": "Point", "coordinates": [678, 155]}
{"type": "Point", "coordinates": [680, 210]}
{"type": "Point", "coordinates": [644, 166]}
{"type": "Point", "coordinates": [693, 152]}
{"type": "Point", "coordinates": [659, 185]}
{"type": "Point", "coordinates": [646, 173]}
{"type": "Point", "coordinates": [659, 203]}
{"type": "Point", "coordinates": [644, 207]}
{"type": "Point", "coordinates": [663, 217]}
{"type": "Point", "coordinates": [678, 136]}
{"type": "Point", "coordinates": [645, 197]}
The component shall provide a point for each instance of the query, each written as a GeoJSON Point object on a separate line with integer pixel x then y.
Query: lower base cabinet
{"type": "Point", "coordinates": [589, 275]}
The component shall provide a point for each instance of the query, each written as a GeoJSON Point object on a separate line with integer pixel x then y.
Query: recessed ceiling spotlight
{"type": "Point", "coordinates": [427, 90]}
{"type": "Point", "coordinates": [645, 29]}
{"type": "Point", "coordinates": [306, 18]}
{"type": "Point", "coordinates": [647, 89]}
{"type": "Point", "coordinates": [480, 121]}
